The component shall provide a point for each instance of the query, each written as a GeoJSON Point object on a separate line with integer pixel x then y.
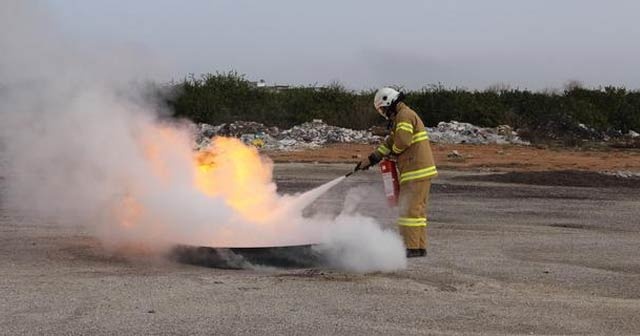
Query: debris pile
{"type": "Point", "coordinates": [239, 128]}
{"type": "Point", "coordinates": [317, 133]}
{"type": "Point", "coordinates": [307, 135]}
{"type": "Point", "coordinates": [459, 133]}
{"type": "Point", "coordinates": [455, 155]}
{"type": "Point", "coordinates": [622, 174]}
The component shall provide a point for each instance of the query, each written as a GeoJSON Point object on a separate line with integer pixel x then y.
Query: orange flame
{"type": "Point", "coordinates": [236, 172]}
{"type": "Point", "coordinates": [227, 169]}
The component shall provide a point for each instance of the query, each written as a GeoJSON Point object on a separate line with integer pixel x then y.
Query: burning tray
{"type": "Point", "coordinates": [290, 256]}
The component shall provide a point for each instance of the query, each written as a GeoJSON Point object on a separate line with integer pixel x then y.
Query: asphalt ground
{"type": "Point", "coordinates": [504, 258]}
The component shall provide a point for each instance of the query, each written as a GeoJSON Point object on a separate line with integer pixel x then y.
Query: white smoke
{"type": "Point", "coordinates": [358, 243]}
{"type": "Point", "coordinates": [80, 142]}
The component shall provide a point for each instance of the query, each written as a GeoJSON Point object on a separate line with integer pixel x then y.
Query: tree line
{"type": "Point", "coordinates": [226, 97]}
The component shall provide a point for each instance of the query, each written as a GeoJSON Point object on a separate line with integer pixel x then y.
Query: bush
{"type": "Point", "coordinates": [225, 97]}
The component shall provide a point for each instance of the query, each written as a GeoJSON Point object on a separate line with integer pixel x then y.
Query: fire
{"type": "Point", "coordinates": [222, 195]}
{"type": "Point", "coordinates": [236, 172]}
{"type": "Point", "coordinates": [227, 170]}
{"type": "Point", "coordinates": [129, 212]}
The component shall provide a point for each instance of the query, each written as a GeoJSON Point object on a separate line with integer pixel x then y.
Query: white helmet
{"type": "Point", "coordinates": [384, 98]}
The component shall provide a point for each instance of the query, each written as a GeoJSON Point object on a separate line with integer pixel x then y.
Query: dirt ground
{"type": "Point", "coordinates": [504, 258]}
{"type": "Point", "coordinates": [488, 157]}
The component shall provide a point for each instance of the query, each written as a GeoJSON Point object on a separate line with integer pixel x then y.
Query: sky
{"type": "Point", "coordinates": [538, 45]}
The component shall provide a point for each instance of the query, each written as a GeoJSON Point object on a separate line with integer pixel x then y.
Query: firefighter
{"type": "Point", "coordinates": [409, 145]}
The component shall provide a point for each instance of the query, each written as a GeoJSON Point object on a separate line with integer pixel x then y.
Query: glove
{"type": "Point", "coordinates": [371, 160]}
{"type": "Point", "coordinates": [362, 165]}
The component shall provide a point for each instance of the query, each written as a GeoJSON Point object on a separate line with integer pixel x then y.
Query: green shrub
{"type": "Point", "coordinates": [225, 97]}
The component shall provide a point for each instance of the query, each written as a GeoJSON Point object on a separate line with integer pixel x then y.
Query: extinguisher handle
{"type": "Point", "coordinates": [374, 158]}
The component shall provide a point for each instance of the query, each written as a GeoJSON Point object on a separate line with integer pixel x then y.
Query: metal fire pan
{"type": "Point", "coordinates": [290, 256]}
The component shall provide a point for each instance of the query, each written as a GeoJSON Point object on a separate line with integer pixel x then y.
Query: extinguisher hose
{"type": "Point", "coordinates": [353, 171]}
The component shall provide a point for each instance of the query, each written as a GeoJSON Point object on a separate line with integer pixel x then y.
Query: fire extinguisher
{"type": "Point", "coordinates": [390, 181]}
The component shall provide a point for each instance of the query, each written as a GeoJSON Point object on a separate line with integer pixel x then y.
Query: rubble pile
{"type": "Point", "coordinates": [249, 132]}
{"type": "Point", "coordinates": [460, 133]}
{"type": "Point", "coordinates": [317, 133]}
{"type": "Point", "coordinates": [622, 174]}
{"type": "Point", "coordinates": [308, 135]}
{"type": "Point", "coordinates": [237, 129]}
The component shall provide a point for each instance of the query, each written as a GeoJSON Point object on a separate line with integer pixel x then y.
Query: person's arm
{"type": "Point", "coordinates": [385, 147]}
{"type": "Point", "coordinates": [394, 144]}
{"type": "Point", "coordinates": [376, 156]}
{"type": "Point", "coordinates": [402, 134]}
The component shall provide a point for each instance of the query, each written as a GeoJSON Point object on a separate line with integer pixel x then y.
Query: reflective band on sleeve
{"type": "Point", "coordinates": [418, 174]}
{"type": "Point", "coordinates": [409, 221]}
{"type": "Point", "coordinates": [405, 126]}
{"type": "Point", "coordinates": [383, 149]}
{"type": "Point", "coordinates": [396, 150]}
{"type": "Point", "coordinates": [420, 136]}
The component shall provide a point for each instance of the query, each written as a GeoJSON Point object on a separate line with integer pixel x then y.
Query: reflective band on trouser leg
{"type": "Point", "coordinates": [420, 136]}
{"type": "Point", "coordinates": [417, 174]}
{"type": "Point", "coordinates": [383, 149]}
{"type": "Point", "coordinates": [406, 221]}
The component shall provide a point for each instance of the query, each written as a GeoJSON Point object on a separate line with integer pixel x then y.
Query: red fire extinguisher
{"type": "Point", "coordinates": [390, 181]}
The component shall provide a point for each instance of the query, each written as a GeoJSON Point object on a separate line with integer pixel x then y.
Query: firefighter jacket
{"type": "Point", "coordinates": [409, 141]}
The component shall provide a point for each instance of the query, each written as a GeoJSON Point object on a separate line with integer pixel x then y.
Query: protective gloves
{"type": "Point", "coordinates": [366, 163]}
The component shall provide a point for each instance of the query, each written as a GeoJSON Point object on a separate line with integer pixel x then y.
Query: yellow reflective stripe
{"type": "Point", "coordinates": [404, 123]}
{"type": "Point", "coordinates": [419, 139]}
{"type": "Point", "coordinates": [420, 136]}
{"type": "Point", "coordinates": [418, 171]}
{"type": "Point", "coordinates": [405, 126]}
{"type": "Point", "coordinates": [412, 219]}
{"type": "Point", "coordinates": [418, 174]}
{"type": "Point", "coordinates": [423, 224]}
{"type": "Point", "coordinates": [397, 150]}
{"type": "Point", "coordinates": [384, 150]}
{"type": "Point", "coordinates": [409, 221]}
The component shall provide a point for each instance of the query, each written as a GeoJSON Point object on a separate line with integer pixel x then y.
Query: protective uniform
{"type": "Point", "coordinates": [409, 142]}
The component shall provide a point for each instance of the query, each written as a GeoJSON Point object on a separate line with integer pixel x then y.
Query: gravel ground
{"type": "Point", "coordinates": [504, 259]}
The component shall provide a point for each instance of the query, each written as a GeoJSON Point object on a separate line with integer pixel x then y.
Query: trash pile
{"type": "Point", "coordinates": [622, 173]}
{"type": "Point", "coordinates": [464, 133]}
{"type": "Point", "coordinates": [307, 135]}
{"type": "Point", "coordinates": [317, 133]}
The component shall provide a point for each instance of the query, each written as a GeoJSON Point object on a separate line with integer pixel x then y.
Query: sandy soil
{"type": "Point", "coordinates": [504, 259]}
{"type": "Point", "coordinates": [488, 157]}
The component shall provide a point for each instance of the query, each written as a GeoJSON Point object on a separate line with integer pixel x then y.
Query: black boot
{"type": "Point", "coordinates": [414, 253]}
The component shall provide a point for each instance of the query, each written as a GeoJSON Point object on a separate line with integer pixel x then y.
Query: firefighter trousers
{"type": "Point", "coordinates": [412, 206]}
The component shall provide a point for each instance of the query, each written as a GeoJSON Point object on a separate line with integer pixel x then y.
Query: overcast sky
{"type": "Point", "coordinates": [364, 44]}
